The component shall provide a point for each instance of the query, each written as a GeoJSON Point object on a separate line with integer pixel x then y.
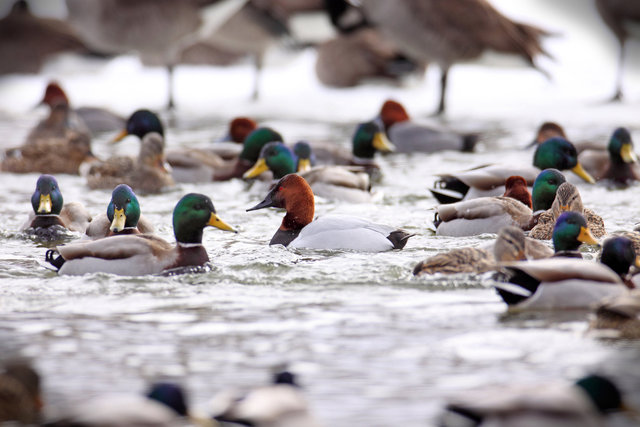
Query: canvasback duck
{"type": "Point", "coordinates": [300, 230]}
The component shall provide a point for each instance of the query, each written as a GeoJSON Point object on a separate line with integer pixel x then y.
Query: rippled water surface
{"type": "Point", "coordinates": [373, 345]}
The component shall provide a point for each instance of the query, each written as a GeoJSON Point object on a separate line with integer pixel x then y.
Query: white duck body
{"type": "Point", "coordinates": [346, 233]}
{"type": "Point", "coordinates": [482, 215]}
{"type": "Point", "coordinates": [133, 255]}
{"type": "Point", "coordinates": [564, 283]}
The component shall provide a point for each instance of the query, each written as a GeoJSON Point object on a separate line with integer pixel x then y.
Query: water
{"type": "Point", "coordinates": [372, 344]}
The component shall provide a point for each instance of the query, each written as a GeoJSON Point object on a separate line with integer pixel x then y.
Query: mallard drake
{"type": "Point", "coordinates": [51, 154]}
{"type": "Point", "coordinates": [122, 217]}
{"type": "Point", "coordinates": [329, 181]}
{"type": "Point", "coordinates": [49, 209]}
{"type": "Point", "coordinates": [305, 155]}
{"type": "Point", "coordinates": [449, 32]}
{"type": "Point", "coordinates": [619, 164]}
{"type": "Point", "coordinates": [300, 230]}
{"type": "Point", "coordinates": [619, 16]}
{"type": "Point", "coordinates": [561, 282]}
{"type": "Point", "coordinates": [279, 404]}
{"type": "Point", "coordinates": [411, 137]}
{"type": "Point", "coordinates": [556, 153]}
{"type": "Point", "coordinates": [140, 123]}
{"type": "Point", "coordinates": [583, 403]}
{"type": "Point", "coordinates": [567, 199]}
{"type": "Point", "coordinates": [510, 245]}
{"type": "Point", "coordinates": [140, 254]}
{"type": "Point", "coordinates": [146, 174]}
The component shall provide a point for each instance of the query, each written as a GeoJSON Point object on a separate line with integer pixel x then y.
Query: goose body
{"type": "Point", "coordinates": [300, 230]}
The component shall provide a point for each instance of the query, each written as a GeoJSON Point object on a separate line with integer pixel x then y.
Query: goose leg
{"type": "Point", "coordinates": [618, 95]}
{"type": "Point", "coordinates": [256, 83]}
{"type": "Point", "coordinates": [443, 89]}
{"type": "Point", "coordinates": [170, 104]}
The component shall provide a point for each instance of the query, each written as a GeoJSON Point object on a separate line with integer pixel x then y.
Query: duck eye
{"type": "Point", "coordinates": [281, 188]}
{"type": "Point", "coordinates": [128, 200]}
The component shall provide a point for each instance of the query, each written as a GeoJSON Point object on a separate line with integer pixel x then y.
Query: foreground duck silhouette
{"type": "Point", "coordinates": [140, 254]}
{"type": "Point", "coordinates": [299, 230]}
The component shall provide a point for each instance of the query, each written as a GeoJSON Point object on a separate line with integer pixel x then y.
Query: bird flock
{"type": "Point", "coordinates": [534, 209]}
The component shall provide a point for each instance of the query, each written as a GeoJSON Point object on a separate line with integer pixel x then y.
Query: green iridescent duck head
{"type": "Point", "coordinates": [276, 157]}
{"type": "Point", "coordinates": [369, 138]}
{"type": "Point", "coordinates": [558, 153]}
{"type": "Point", "coordinates": [304, 153]}
{"type": "Point", "coordinates": [124, 209]}
{"type": "Point", "coordinates": [256, 140]}
{"type": "Point", "coordinates": [621, 147]}
{"type": "Point", "coordinates": [141, 123]}
{"type": "Point", "coordinates": [545, 187]}
{"type": "Point", "coordinates": [47, 199]}
{"type": "Point", "coordinates": [619, 254]}
{"type": "Point", "coordinates": [191, 215]}
{"type": "Point", "coordinates": [570, 232]}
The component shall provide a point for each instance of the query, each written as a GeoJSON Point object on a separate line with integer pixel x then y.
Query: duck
{"type": "Point", "coordinates": [279, 404]}
{"type": "Point", "coordinates": [147, 173]}
{"type": "Point", "coordinates": [21, 402]}
{"type": "Point", "coordinates": [567, 199]}
{"type": "Point", "coordinates": [140, 123]}
{"type": "Point", "coordinates": [29, 41]}
{"type": "Point", "coordinates": [586, 402]}
{"type": "Point", "coordinates": [122, 217]}
{"type": "Point", "coordinates": [332, 182]}
{"type": "Point", "coordinates": [617, 317]}
{"type": "Point", "coordinates": [86, 119]}
{"type": "Point", "coordinates": [619, 16]}
{"type": "Point", "coordinates": [510, 245]}
{"type": "Point", "coordinates": [619, 164]}
{"type": "Point", "coordinates": [305, 155]}
{"type": "Point", "coordinates": [300, 230]}
{"type": "Point", "coordinates": [229, 146]}
{"type": "Point", "coordinates": [485, 214]}
{"type": "Point", "coordinates": [545, 187]}
{"type": "Point", "coordinates": [54, 150]}
{"type": "Point", "coordinates": [433, 31]}
{"type": "Point", "coordinates": [564, 281]}
{"type": "Point", "coordinates": [409, 136]}
{"type": "Point", "coordinates": [515, 187]}
{"type": "Point", "coordinates": [487, 180]}
{"type": "Point", "coordinates": [141, 254]}
{"type": "Point", "coordinates": [50, 211]}
{"type": "Point", "coordinates": [620, 254]}
{"type": "Point", "coordinates": [164, 404]}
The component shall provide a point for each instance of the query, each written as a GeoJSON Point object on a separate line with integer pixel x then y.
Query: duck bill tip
{"type": "Point", "coordinates": [585, 236]}
{"type": "Point", "coordinates": [215, 221]}
{"type": "Point", "coordinates": [582, 173]}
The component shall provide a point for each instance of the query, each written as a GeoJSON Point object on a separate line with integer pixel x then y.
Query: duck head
{"type": "Point", "coordinates": [621, 147]}
{"type": "Point", "coordinates": [567, 200]}
{"type": "Point", "coordinates": [604, 394]}
{"type": "Point", "coordinates": [619, 254]}
{"type": "Point", "coordinates": [304, 153]}
{"type": "Point", "coordinates": [545, 187]}
{"type": "Point", "coordinates": [191, 215]}
{"type": "Point", "coordinates": [124, 209]}
{"type": "Point", "coordinates": [510, 244]}
{"type": "Point", "coordinates": [546, 131]}
{"type": "Point", "coordinates": [141, 123]}
{"type": "Point", "coordinates": [54, 95]}
{"type": "Point", "coordinates": [516, 188]}
{"type": "Point", "coordinates": [293, 194]}
{"type": "Point", "coordinates": [570, 231]}
{"type": "Point", "coordinates": [152, 151]}
{"type": "Point", "coordinates": [276, 157]}
{"type": "Point", "coordinates": [560, 154]}
{"type": "Point", "coordinates": [170, 395]}
{"type": "Point", "coordinates": [392, 112]}
{"type": "Point", "coordinates": [369, 138]}
{"type": "Point", "coordinates": [255, 141]}
{"type": "Point", "coordinates": [47, 199]}
{"type": "Point", "coordinates": [239, 128]}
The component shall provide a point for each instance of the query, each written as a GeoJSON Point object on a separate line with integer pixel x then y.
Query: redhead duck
{"type": "Point", "coordinates": [567, 199]}
{"type": "Point", "coordinates": [147, 173]}
{"type": "Point", "coordinates": [430, 31]}
{"type": "Point", "coordinates": [49, 209]}
{"type": "Point", "coordinates": [619, 16]}
{"type": "Point", "coordinates": [618, 164]}
{"type": "Point", "coordinates": [556, 153]}
{"type": "Point", "coordinates": [333, 182]}
{"type": "Point", "coordinates": [140, 254]}
{"type": "Point", "coordinates": [122, 217]}
{"type": "Point", "coordinates": [300, 230]}
{"type": "Point", "coordinates": [510, 245]}
{"type": "Point", "coordinates": [412, 137]}
{"type": "Point", "coordinates": [516, 188]}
